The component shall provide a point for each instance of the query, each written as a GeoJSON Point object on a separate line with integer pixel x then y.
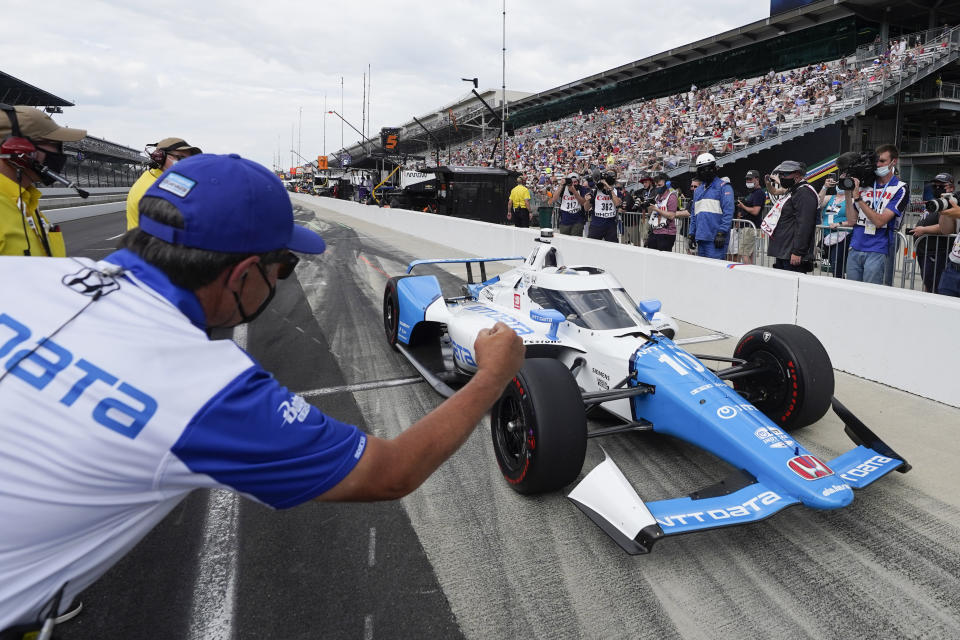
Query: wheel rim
{"type": "Point", "coordinates": [511, 434]}
{"type": "Point", "coordinates": [772, 395]}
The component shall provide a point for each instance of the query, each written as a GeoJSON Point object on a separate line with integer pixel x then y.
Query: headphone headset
{"type": "Point", "coordinates": [16, 148]}
{"type": "Point", "coordinates": [157, 157]}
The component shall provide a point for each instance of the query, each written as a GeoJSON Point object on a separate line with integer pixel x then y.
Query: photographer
{"type": "Point", "coordinates": [603, 207]}
{"type": "Point", "coordinates": [572, 202]}
{"type": "Point", "coordinates": [833, 213]}
{"type": "Point", "coordinates": [663, 210]}
{"type": "Point", "coordinates": [712, 211]}
{"type": "Point", "coordinates": [792, 223]}
{"type": "Point", "coordinates": [750, 208]}
{"type": "Point", "coordinates": [874, 214]}
{"type": "Point", "coordinates": [930, 248]}
{"type": "Point", "coordinates": [950, 224]}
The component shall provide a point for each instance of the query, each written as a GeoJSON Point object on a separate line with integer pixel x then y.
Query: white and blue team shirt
{"type": "Point", "coordinates": [122, 411]}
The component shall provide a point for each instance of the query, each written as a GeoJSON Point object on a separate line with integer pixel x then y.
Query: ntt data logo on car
{"type": "Point", "coordinates": [809, 467]}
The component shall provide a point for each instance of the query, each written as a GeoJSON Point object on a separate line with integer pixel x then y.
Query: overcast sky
{"type": "Point", "coordinates": [233, 76]}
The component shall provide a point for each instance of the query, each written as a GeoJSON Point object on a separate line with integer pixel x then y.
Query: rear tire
{"type": "Point", "coordinates": [539, 428]}
{"type": "Point", "coordinates": [797, 389]}
{"type": "Point", "coordinates": [391, 310]}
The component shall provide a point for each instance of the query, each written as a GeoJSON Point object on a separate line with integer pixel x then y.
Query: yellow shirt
{"type": "Point", "coordinates": [13, 242]}
{"type": "Point", "coordinates": [136, 192]}
{"type": "Point", "coordinates": [519, 196]}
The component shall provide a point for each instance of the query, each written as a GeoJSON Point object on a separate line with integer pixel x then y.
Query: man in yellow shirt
{"type": "Point", "coordinates": [518, 206]}
{"type": "Point", "coordinates": [31, 144]}
{"type": "Point", "coordinates": [163, 155]}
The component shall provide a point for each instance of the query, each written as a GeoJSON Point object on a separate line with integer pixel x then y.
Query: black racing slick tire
{"type": "Point", "coordinates": [796, 385]}
{"type": "Point", "coordinates": [391, 310]}
{"type": "Point", "coordinates": [539, 428]}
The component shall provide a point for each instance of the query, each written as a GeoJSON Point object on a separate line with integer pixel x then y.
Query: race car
{"type": "Point", "coordinates": [589, 348]}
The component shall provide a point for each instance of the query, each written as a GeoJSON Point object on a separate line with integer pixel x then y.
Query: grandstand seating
{"type": "Point", "coordinates": [727, 118]}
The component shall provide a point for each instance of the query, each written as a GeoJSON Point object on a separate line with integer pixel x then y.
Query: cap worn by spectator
{"type": "Point", "coordinates": [36, 125]}
{"type": "Point", "coordinates": [753, 173]}
{"type": "Point", "coordinates": [945, 178]}
{"type": "Point", "coordinates": [229, 204]}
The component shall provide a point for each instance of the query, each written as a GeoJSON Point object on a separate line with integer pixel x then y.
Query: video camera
{"type": "Point", "coordinates": [859, 165]}
{"type": "Point", "coordinates": [937, 205]}
{"type": "Point", "coordinates": [607, 176]}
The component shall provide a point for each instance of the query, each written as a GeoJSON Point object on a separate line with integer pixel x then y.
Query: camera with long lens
{"type": "Point", "coordinates": [940, 204]}
{"type": "Point", "coordinates": [859, 165]}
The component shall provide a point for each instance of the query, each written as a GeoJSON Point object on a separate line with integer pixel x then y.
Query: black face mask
{"type": "Point", "coordinates": [707, 173]}
{"type": "Point", "coordinates": [788, 182]}
{"type": "Point", "coordinates": [247, 319]}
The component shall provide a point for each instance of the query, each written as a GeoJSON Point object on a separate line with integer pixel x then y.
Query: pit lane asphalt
{"type": "Point", "coordinates": [512, 566]}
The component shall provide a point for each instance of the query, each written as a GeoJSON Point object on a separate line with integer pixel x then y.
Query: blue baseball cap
{"type": "Point", "coordinates": [229, 204]}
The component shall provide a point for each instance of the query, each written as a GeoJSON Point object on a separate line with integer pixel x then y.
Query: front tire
{"type": "Point", "coordinates": [539, 428]}
{"type": "Point", "coordinates": [796, 388]}
{"type": "Point", "coordinates": [391, 310]}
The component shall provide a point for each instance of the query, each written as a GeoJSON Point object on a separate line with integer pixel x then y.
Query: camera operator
{"type": "Point", "coordinates": [664, 211]}
{"type": "Point", "coordinates": [874, 213]}
{"type": "Point", "coordinates": [792, 223]}
{"type": "Point", "coordinates": [949, 224]}
{"type": "Point", "coordinates": [635, 207]}
{"type": "Point", "coordinates": [571, 197]}
{"type": "Point", "coordinates": [712, 211]}
{"type": "Point", "coordinates": [930, 248]}
{"type": "Point", "coordinates": [750, 208]}
{"type": "Point", "coordinates": [603, 207]}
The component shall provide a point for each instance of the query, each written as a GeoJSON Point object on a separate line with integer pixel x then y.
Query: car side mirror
{"type": "Point", "coordinates": [552, 316]}
{"type": "Point", "coordinates": [648, 308]}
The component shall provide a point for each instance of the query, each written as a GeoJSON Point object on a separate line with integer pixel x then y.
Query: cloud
{"type": "Point", "coordinates": [238, 76]}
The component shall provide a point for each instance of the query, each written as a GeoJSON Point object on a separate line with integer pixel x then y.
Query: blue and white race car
{"type": "Point", "coordinates": [590, 347]}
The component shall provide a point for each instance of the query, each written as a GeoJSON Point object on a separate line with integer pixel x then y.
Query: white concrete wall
{"type": "Point", "coordinates": [904, 339]}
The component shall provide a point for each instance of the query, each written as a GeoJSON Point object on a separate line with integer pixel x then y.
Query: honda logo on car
{"type": "Point", "coordinates": [809, 467]}
{"type": "Point", "coordinates": [749, 507]}
{"type": "Point", "coordinates": [864, 469]}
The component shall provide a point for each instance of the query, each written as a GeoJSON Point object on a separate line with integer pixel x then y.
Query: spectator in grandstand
{"type": "Point", "coordinates": [713, 205]}
{"type": "Point", "coordinates": [792, 223]}
{"type": "Point", "coordinates": [518, 204]}
{"type": "Point", "coordinates": [931, 248]}
{"type": "Point", "coordinates": [571, 197]}
{"type": "Point", "coordinates": [833, 213]}
{"type": "Point", "coordinates": [30, 143]}
{"type": "Point", "coordinates": [602, 206]}
{"type": "Point", "coordinates": [163, 155]}
{"type": "Point", "coordinates": [750, 209]}
{"type": "Point", "coordinates": [93, 458]}
{"type": "Point", "coordinates": [663, 212]}
{"type": "Point", "coordinates": [874, 212]}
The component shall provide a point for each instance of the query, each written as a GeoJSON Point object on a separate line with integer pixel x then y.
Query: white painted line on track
{"type": "Point", "coordinates": [215, 587]}
{"type": "Point", "coordinates": [368, 627]}
{"type": "Point", "coordinates": [372, 548]}
{"type": "Point", "coordinates": [360, 386]}
{"type": "Point", "coordinates": [116, 236]}
{"type": "Point", "coordinates": [712, 337]}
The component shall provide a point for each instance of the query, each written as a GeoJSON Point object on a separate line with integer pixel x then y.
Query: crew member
{"type": "Point", "coordinates": [116, 404]}
{"type": "Point", "coordinates": [518, 204]}
{"type": "Point", "coordinates": [163, 155]}
{"type": "Point", "coordinates": [30, 144]}
{"type": "Point", "coordinates": [712, 211]}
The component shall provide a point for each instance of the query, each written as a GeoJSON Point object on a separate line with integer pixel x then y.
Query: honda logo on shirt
{"type": "Point", "coordinates": [809, 467]}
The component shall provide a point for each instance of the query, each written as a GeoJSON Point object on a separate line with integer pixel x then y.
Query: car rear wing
{"type": "Point", "coordinates": [466, 261]}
